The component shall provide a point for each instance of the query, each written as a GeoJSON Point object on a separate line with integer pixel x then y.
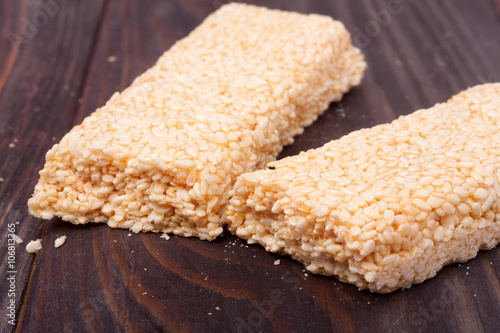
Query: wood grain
{"type": "Point", "coordinates": [105, 280]}
{"type": "Point", "coordinates": [42, 68]}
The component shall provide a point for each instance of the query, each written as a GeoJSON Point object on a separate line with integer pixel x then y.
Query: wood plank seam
{"type": "Point", "coordinates": [93, 49]}
{"type": "Point", "coordinates": [26, 291]}
{"type": "Point", "coordinates": [13, 55]}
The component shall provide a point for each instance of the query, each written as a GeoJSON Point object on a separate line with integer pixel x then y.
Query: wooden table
{"type": "Point", "coordinates": [59, 62]}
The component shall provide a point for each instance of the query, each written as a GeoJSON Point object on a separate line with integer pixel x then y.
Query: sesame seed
{"type": "Point", "coordinates": [435, 202]}
{"type": "Point", "coordinates": [420, 204]}
{"type": "Point", "coordinates": [464, 209]}
{"type": "Point", "coordinates": [480, 194]}
{"type": "Point", "coordinates": [60, 241]}
{"type": "Point", "coordinates": [461, 192]}
{"type": "Point", "coordinates": [34, 246]}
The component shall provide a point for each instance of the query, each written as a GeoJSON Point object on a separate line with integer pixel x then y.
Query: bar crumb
{"type": "Point", "coordinates": [165, 236]}
{"type": "Point", "coordinates": [34, 246]}
{"type": "Point", "coordinates": [60, 241]}
{"type": "Point", "coordinates": [277, 262]}
{"type": "Point", "coordinates": [18, 239]}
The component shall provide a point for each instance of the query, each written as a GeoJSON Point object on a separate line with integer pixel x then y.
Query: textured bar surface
{"type": "Point", "coordinates": [163, 154]}
{"type": "Point", "coordinates": [386, 207]}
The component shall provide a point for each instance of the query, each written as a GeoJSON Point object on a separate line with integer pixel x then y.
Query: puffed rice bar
{"type": "Point", "coordinates": [386, 207]}
{"type": "Point", "coordinates": [163, 154]}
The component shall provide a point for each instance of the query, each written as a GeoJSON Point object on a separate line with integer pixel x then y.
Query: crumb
{"type": "Point", "coordinates": [206, 278]}
{"type": "Point", "coordinates": [59, 241]}
{"type": "Point", "coordinates": [145, 293]}
{"type": "Point", "coordinates": [114, 240]}
{"type": "Point", "coordinates": [17, 222]}
{"type": "Point", "coordinates": [277, 262]}
{"type": "Point", "coordinates": [165, 236]}
{"type": "Point", "coordinates": [491, 262]}
{"type": "Point", "coordinates": [300, 288]}
{"type": "Point", "coordinates": [18, 239]}
{"type": "Point", "coordinates": [112, 58]}
{"type": "Point", "coordinates": [34, 246]}
{"type": "Point", "coordinates": [1, 179]}
{"type": "Point", "coordinates": [217, 308]}
{"type": "Point", "coordinates": [368, 302]}
{"type": "Point", "coordinates": [15, 140]}
{"type": "Point", "coordinates": [12, 145]}
{"type": "Point", "coordinates": [145, 269]}
{"type": "Point", "coordinates": [474, 295]}
{"type": "Point", "coordinates": [129, 235]}
{"type": "Point", "coordinates": [466, 273]}
{"type": "Point", "coordinates": [305, 274]}
{"type": "Point", "coordinates": [468, 267]}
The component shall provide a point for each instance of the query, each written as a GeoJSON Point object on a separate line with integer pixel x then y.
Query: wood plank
{"type": "Point", "coordinates": [105, 280]}
{"type": "Point", "coordinates": [43, 59]}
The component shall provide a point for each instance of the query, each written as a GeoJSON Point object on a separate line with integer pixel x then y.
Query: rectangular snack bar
{"type": "Point", "coordinates": [386, 207]}
{"type": "Point", "coordinates": [163, 154]}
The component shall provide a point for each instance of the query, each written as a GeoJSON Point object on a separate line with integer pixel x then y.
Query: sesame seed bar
{"type": "Point", "coordinates": [163, 154]}
{"type": "Point", "coordinates": [386, 207]}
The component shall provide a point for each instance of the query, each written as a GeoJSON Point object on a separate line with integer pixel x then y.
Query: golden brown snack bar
{"type": "Point", "coordinates": [385, 207]}
{"type": "Point", "coordinates": [163, 154]}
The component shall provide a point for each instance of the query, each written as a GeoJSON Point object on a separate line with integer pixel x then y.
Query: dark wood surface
{"type": "Point", "coordinates": [58, 71]}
